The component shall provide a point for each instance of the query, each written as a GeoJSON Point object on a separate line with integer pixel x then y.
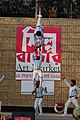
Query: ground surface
{"type": "Point", "coordinates": [48, 116]}
{"type": "Point", "coordinates": [54, 117]}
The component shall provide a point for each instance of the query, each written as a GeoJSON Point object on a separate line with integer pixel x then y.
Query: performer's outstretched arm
{"type": "Point", "coordinates": [34, 91]}
{"type": "Point", "coordinates": [68, 84]}
{"type": "Point", "coordinates": [45, 89]}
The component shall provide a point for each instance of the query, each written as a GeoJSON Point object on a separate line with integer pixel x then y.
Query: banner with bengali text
{"type": "Point", "coordinates": [51, 49]}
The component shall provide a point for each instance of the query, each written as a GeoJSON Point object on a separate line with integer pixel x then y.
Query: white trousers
{"type": "Point", "coordinates": [38, 103]}
{"type": "Point", "coordinates": [38, 26]}
{"type": "Point", "coordinates": [35, 73]}
{"type": "Point", "coordinates": [69, 101]}
{"type": "Point", "coordinates": [39, 22]}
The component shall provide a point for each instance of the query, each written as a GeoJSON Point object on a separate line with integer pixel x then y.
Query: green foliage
{"type": "Point", "coordinates": [16, 8]}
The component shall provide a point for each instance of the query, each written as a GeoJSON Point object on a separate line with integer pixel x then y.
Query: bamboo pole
{"type": "Point", "coordinates": [36, 9]}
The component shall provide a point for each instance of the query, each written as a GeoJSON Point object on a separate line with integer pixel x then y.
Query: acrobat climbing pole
{"type": "Point", "coordinates": [38, 34]}
{"type": "Point", "coordinates": [38, 42]}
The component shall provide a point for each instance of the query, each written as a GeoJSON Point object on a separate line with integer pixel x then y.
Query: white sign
{"type": "Point", "coordinates": [27, 87]}
{"type": "Point", "coordinates": [28, 76]}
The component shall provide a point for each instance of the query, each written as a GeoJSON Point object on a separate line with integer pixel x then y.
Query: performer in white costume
{"type": "Point", "coordinates": [38, 98]}
{"type": "Point", "coordinates": [38, 34]}
{"type": "Point", "coordinates": [37, 68]}
{"type": "Point", "coordinates": [76, 113]}
{"type": "Point", "coordinates": [72, 94]}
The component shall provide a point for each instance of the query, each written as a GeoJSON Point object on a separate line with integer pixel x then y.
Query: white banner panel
{"type": "Point", "coordinates": [27, 87]}
{"type": "Point", "coordinates": [28, 76]}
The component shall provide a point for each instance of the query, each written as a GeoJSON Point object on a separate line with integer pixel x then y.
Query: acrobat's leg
{"type": "Point", "coordinates": [66, 106]}
{"type": "Point", "coordinates": [34, 75]}
{"type": "Point", "coordinates": [41, 80]}
{"type": "Point", "coordinates": [38, 26]}
{"type": "Point", "coordinates": [36, 105]}
{"type": "Point", "coordinates": [40, 105]}
{"type": "Point", "coordinates": [38, 33]}
{"type": "Point", "coordinates": [34, 78]}
{"type": "Point", "coordinates": [75, 102]}
{"type": "Point", "coordinates": [41, 77]}
{"type": "Point", "coordinates": [39, 20]}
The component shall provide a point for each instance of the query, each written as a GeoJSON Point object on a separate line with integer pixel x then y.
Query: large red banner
{"type": "Point", "coordinates": [51, 49]}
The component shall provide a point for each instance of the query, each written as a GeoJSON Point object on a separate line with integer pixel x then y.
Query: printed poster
{"type": "Point", "coordinates": [51, 49]}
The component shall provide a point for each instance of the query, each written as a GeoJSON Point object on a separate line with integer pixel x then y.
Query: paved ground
{"type": "Point", "coordinates": [48, 116]}
{"type": "Point", "coordinates": [54, 117]}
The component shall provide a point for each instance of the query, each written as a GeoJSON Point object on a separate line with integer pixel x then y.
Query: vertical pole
{"type": "Point", "coordinates": [36, 9]}
{"type": "Point", "coordinates": [71, 9]}
{"type": "Point", "coordinates": [39, 9]}
{"type": "Point", "coordinates": [68, 8]}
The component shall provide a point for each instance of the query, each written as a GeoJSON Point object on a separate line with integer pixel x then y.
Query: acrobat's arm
{"type": "Point", "coordinates": [67, 83]}
{"type": "Point", "coordinates": [44, 89]}
{"type": "Point", "coordinates": [34, 91]}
